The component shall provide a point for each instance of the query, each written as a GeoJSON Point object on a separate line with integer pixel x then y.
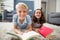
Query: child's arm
{"type": "Point", "coordinates": [30, 27]}
{"type": "Point", "coordinates": [16, 30]}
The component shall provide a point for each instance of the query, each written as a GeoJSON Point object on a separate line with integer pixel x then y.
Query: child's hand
{"type": "Point", "coordinates": [36, 30]}
{"type": "Point", "coordinates": [26, 31]}
{"type": "Point", "coordinates": [21, 33]}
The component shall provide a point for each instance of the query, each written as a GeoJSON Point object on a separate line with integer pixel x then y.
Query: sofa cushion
{"type": "Point", "coordinates": [54, 17]}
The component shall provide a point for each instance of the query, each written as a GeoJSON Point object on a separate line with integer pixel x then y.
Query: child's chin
{"type": "Point", "coordinates": [23, 17]}
{"type": "Point", "coordinates": [38, 17]}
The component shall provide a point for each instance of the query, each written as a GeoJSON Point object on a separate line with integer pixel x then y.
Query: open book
{"type": "Point", "coordinates": [27, 36]}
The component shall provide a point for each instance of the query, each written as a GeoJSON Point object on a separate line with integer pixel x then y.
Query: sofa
{"type": "Point", "coordinates": [7, 16]}
{"type": "Point", "coordinates": [54, 18]}
{"type": "Point", "coordinates": [0, 17]}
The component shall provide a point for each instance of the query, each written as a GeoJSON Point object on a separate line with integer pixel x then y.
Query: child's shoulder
{"type": "Point", "coordinates": [15, 16]}
{"type": "Point", "coordinates": [28, 16]}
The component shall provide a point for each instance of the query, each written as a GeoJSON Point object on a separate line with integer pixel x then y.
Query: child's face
{"type": "Point", "coordinates": [21, 11]}
{"type": "Point", "coordinates": [38, 14]}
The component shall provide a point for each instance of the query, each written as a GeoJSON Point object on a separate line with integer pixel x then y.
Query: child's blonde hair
{"type": "Point", "coordinates": [21, 4]}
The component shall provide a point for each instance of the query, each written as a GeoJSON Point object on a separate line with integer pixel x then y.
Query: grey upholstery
{"type": "Point", "coordinates": [0, 16]}
{"type": "Point", "coordinates": [8, 15]}
{"type": "Point", "coordinates": [54, 18]}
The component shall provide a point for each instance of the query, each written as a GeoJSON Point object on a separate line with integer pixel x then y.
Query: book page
{"type": "Point", "coordinates": [29, 35]}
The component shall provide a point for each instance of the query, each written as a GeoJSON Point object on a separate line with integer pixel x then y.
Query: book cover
{"type": "Point", "coordinates": [44, 31]}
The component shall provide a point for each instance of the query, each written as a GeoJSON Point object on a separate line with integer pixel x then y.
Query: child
{"type": "Point", "coordinates": [38, 19]}
{"type": "Point", "coordinates": [22, 21]}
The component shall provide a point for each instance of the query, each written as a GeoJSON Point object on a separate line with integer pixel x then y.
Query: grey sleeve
{"type": "Point", "coordinates": [29, 20]}
{"type": "Point", "coordinates": [14, 19]}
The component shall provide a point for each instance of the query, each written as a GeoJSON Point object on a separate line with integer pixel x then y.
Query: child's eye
{"type": "Point", "coordinates": [39, 12]}
{"type": "Point", "coordinates": [19, 11]}
{"type": "Point", "coordinates": [24, 11]}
